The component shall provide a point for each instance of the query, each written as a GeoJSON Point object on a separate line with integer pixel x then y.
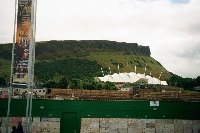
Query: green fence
{"type": "Point", "coordinates": [70, 112]}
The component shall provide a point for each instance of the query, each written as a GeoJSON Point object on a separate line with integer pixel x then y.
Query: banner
{"type": "Point", "coordinates": [23, 35]}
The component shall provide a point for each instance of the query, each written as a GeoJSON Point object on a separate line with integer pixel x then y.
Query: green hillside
{"type": "Point", "coordinates": [84, 59]}
{"type": "Point", "coordinates": [127, 63]}
{"type": "Point", "coordinates": [68, 68]}
{"type": "Point", "coordinates": [5, 68]}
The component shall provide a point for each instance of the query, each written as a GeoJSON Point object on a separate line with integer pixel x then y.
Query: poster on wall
{"type": "Point", "coordinates": [50, 125]}
{"type": "Point", "coordinates": [21, 48]}
{"type": "Point", "coordinates": [133, 125]}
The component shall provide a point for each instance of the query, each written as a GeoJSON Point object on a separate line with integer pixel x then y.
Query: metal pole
{"type": "Point", "coordinates": [30, 71]}
{"type": "Point", "coordinates": [27, 108]}
{"type": "Point", "coordinates": [8, 110]}
{"type": "Point", "coordinates": [34, 7]}
{"type": "Point", "coordinates": [159, 78]}
{"type": "Point", "coordinates": [11, 71]}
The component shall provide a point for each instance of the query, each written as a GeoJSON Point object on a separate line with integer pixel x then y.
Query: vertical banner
{"type": "Point", "coordinates": [23, 37]}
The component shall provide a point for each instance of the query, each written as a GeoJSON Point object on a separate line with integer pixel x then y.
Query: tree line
{"type": "Point", "coordinates": [186, 83]}
{"type": "Point", "coordinates": [88, 84]}
{"type": "Point", "coordinates": [91, 84]}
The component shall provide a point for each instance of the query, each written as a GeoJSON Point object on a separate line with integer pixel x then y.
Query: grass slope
{"type": "Point", "coordinates": [90, 66]}
{"type": "Point", "coordinates": [84, 59]}
{"type": "Point", "coordinates": [5, 68]}
{"type": "Point", "coordinates": [128, 62]}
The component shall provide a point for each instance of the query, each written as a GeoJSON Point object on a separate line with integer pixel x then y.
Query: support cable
{"type": "Point", "coordinates": [10, 89]}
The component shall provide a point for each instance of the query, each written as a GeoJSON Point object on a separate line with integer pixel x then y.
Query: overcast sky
{"type": "Point", "coordinates": [170, 27]}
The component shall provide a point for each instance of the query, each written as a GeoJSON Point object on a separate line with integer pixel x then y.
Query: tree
{"type": "Point", "coordinates": [2, 81]}
{"type": "Point", "coordinates": [90, 84]}
{"type": "Point", "coordinates": [198, 81]}
{"type": "Point", "coordinates": [75, 84]}
{"type": "Point", "coordinates": [109, 86]}
{"type": "Point", "coordinates": [50, 84]}
{"type": "Point", "coordinates": [175, 80]}
{"type": "Point", "coordinates": [188, 83]}
{"type": "Point", "coordinates": [63, 83]}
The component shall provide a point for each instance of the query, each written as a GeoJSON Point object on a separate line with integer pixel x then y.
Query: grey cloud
{"type": "Point", "coordinates": [191, 53]}
{"type": "Point", "coordinates": [194, 28]}
{"type": "Point", "coordinates": [171, 30]}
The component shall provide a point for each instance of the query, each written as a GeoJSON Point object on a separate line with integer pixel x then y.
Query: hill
{"type": "Point", "coordinates": [84, 59]}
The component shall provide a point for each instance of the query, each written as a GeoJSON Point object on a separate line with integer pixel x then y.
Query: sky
{"type": "Point", "coordinates": [171, 28]}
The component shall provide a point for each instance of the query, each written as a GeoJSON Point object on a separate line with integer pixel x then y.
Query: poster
{"type": "Point", "coordinates": [50, 125]}
{"type": "Point", "coordinates": [23, 35]}
{"type": "Point", "coordinates": [133, 125]}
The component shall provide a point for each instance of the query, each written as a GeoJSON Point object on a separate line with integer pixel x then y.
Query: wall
{"type": "Point", "coordinates": [87, 110]}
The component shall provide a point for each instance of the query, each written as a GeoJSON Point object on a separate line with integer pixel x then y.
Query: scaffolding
{"type": "Point", "coordinates": [30, 66]}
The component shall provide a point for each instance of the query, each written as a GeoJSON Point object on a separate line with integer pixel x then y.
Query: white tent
{"type": "Point", "coordinates": [163, 83]}
{"type": "Point", "coordinates": [134, 77]}
{"type": "Point", "coordinates": [130, 78]}
{"type": "Point", "coordinates": [125, 78]}
{"type": "Point", "coordinates": [117, 78]}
